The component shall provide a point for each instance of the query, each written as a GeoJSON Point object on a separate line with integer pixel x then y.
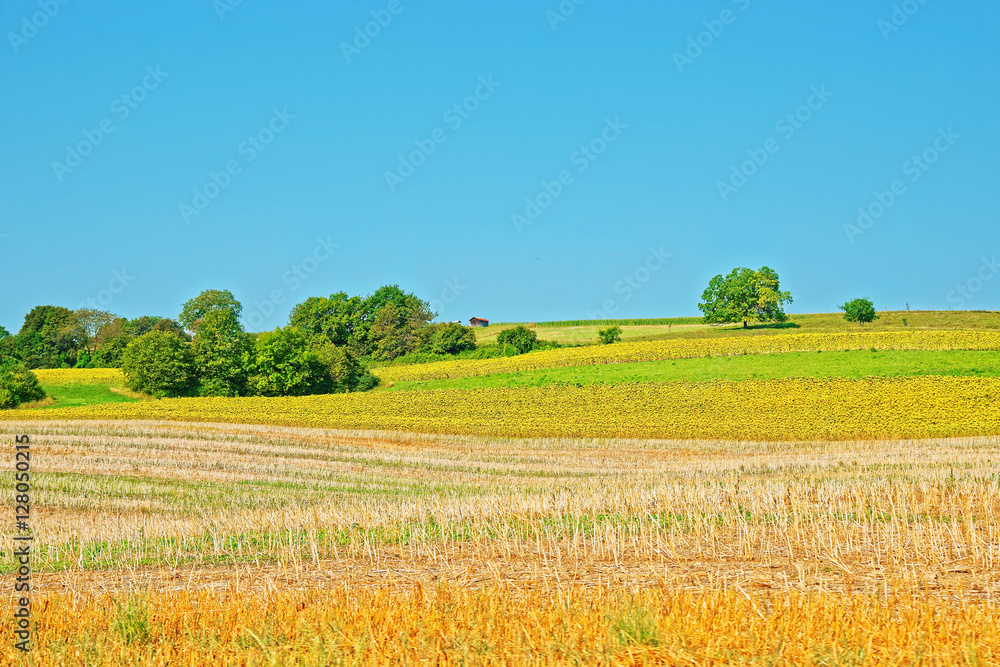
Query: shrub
{"type": "Point", "coordinates": [452, 338]}
{"type": "Point", "coordinates": [609, 335]}
{"type": "Point", "coordinates": [520, 337]}
{"type": "Point", "coordinates": [491, 351]}
{"type": "Point", "coordinates": [859, 310]}
{"type": "Point", "coordinates": [18, 385]}
{"type": "Point", "coordinates": [283, 365]}
{"type": "Point", "coordinates": [222, 351]}
{"type": "Point", "coordinates": [160, 364]}
{"type": "Point", "coordinates": [346, 372]}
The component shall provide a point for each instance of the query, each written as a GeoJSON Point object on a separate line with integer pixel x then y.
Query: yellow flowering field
{"type": "Point", "coordinates": [699, 347]}
{"type": "Point", "coordinates": [783, 409]}
{"type": "Point", "coordinates": [62, 376]}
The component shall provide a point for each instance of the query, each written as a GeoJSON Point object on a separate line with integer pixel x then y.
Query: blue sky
{"type": "Point", "coordinates": [596, 161]}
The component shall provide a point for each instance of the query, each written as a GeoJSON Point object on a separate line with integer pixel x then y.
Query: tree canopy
{"type": "Point", "coordinates": [861, 311]}
{"type": "Point", "coordinates": [160, 364]}
{"type": "Point", "coordinates": [520, 338]}
{"type": "Point", "coordinates": [48, 338]}
{"type": "Point", "coordinates": [221, 353]}
{"type": "Point", "coordinates": [18, 385]}
{"type": "Point", "coordinates": [744, 296]}
{"type": "Point", "coordinates": [208, 301]}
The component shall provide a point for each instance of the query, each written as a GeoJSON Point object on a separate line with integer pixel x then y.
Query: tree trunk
{"type": "Point", "coordinates": [745, 324]}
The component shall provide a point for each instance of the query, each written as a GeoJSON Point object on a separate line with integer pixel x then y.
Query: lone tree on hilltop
{"type": "Point", "coordinates": [744, 296]}
{"type": "Point", "coordinates": [859, 310]}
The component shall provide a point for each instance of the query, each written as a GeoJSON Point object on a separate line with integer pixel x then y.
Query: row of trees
{"type": "Point", "coordinates": [382, 326]}
{"type": "Point", "coordinates": [326, 347]}
{"type": "Point", "coordinates": [746, 295]}
{"type": "Point", "coordinates": [57, 337]}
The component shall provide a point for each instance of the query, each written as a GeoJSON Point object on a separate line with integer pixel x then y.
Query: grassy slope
{"type": "Point", "coordinates": [72, 389]}
{"type": "Point", "coordinates": [807, 323]}
{"type": "Point", "coordinates": [853, 364]}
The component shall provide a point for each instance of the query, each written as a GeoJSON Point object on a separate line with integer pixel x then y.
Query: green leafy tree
{"type": "Point", "coordinates": [346, 373]}
{"type": "Point", "coordinates": [222, 352]}
{"type": "Point", "coordinates": [112, 350]}
{"type": "Point", "coordinates": [89, 323]}
{"type": "Point", "coordinates": [18, 385]}
{"type": "Point", "coordinates": [160, 364]}
{"type": "Point", "coordinates": [744, 296]}
{"type": "Point", "coordinates": [209, 301]}
{"type": "Point", "coordinates": [520, 338]}
{"type": "Point", "coordinates": [391, 333]}
{"type": "Point", "coordinates": [609, 335]}
{"type": "Point", "coordinates": [48, 338]}
{"type": "Point", "coordinates": [8, 346]}
{"type": "Point", "coordinates": [285, 366]}
{"type": "Point", "coordinates": [335, 319]}
{"type": "Point", "coordinates": [861, 311]}
{"type": "Point", "coordinates": [450, 338]}
{"type": "Point", "coordinates": [400, 324]}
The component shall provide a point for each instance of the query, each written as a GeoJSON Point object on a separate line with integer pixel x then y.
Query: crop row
{"type": "Point", "coordinates": [782, 410]}
{"type": "Point", "coordinates": [689, 348]}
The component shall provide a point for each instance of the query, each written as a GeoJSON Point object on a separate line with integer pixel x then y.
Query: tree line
{"type": "Point", "coordinates": [328, 346]}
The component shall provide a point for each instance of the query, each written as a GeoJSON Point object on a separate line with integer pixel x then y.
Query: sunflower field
{"type": "Point", "coordinates": [689, 348]}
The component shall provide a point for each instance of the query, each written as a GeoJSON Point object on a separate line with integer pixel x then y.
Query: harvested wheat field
{"type": "Point", "coordinates": [163, 542]}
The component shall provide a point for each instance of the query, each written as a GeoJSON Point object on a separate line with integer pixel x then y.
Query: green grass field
{"type": "Point", "coordinates": [853, 364]}
{"type": "Point", "coordinates": [66, 391]}
{"type": "Point", "coordinates": [583, 333]}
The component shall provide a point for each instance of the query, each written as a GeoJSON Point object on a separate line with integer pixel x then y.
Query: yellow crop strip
{"type": "Point", "coordinates": [777, 410]}
{"type": "Point", "coordinates": [63, 376]}
{"type": "Point", "coordinates": [696, 347]}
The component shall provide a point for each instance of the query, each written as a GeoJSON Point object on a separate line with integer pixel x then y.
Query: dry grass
{"type": "Point", "coordinates": [504, 624]}
{"type": "Point", "coordinates": [372, 547]}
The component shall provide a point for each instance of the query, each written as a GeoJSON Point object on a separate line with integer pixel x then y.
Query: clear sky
{"type": "Point", "coordinates": [518, 161]}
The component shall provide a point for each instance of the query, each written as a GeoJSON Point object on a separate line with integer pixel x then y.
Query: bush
{"type": "Point", "coordinates": [283, 365]}
{"type": "Point", "coordinates": [609, 335]}
{"type": "Point", "coordinates": [346, 372]}
{"type": "Point", "coordinates": [222, 352]}
{"type": "Point", "coordinates": [491, 351]}
{"type": "Point", "coordinates": [18, 385]}
{"type": "Point", "coordinates": [859, 310]}
{"type": "Point", "coordinates": [520, 337]}
{"type": "Point", "coordinates": [452, 338]}
{"type": "Point", "coordinates": [160, 364]}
